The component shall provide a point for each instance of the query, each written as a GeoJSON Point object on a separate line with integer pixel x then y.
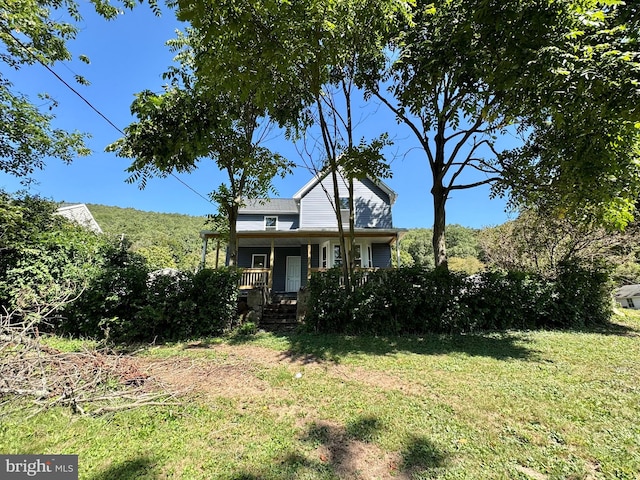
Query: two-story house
{"type": "Point", "coordinates": [282, 241]}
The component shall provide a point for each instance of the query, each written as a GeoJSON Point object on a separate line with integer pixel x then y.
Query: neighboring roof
{"type": "Point", "coordinates": [80, 214]}
{"type": "Point", "coordinates": [628, 291]}
{"type": "Point", "coordinates": [318, 178]}
{"type": "Point", "coordinates": [270, 206]}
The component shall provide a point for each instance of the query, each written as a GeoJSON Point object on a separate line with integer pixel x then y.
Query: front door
{"type": "Point", "coordinates": [293, 274]}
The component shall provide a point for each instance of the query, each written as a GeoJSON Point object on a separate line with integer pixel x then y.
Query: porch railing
{"type": "Point", "coordinates": [364, 277]}
{"type": "Point", "coordinates": [254, 278]}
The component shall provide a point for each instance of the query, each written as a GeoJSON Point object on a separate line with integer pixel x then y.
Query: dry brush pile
{"type": "Point", "coordinates": [90, 382]}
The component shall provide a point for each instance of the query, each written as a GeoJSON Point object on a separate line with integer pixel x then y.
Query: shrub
{"type": "Point", "coordinates": [113, 298]}
{"type": "Point", "coordinates": [215, 293]}
{"type": "Point", "coordinates": [416, 300]}
{"type": "Point", "coordinates": [169, 310]}
{"type": "Point", "coordinates": [583, 297]}
{"type": "Point", "coordinates": [126, 304]}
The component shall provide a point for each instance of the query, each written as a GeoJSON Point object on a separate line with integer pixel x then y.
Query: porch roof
{"type": "Point", "coordinates": [297, 237]}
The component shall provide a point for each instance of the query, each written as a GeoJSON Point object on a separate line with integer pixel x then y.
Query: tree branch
{"type": "Point", "coordinates": [473, 185]}
{"type": "Point", "coordinates": [421, 138]}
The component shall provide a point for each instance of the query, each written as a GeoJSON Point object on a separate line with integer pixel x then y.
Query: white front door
{"type": "Point", "coordinates": [293, 274]}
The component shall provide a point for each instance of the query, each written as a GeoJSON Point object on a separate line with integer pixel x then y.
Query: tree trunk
{"type": "Point", "coordinates": [439, 225]}
{"type": "Point", "coordinates": [233, 236]}
{"type": "Point", "coordinates": [352, 230]}
{"type": "Point", "coordinates": [343, 243]}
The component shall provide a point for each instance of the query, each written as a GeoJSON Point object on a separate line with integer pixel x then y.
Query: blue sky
{"type": "Point", "coordinates": [128, 55]}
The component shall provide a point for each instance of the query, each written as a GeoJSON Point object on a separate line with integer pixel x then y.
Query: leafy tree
{"type": "Point", "coordinates": [559, 73]}
{"type": "Point", "coordinates": [468, 265]}
{"type": "Point", "coordinates": [542, 244]}
{"type": "Point", "coordinates": [44, 259]}
{"type": "Point", "coordinates": [157, 257]}
{"type": "Point", "coordinates": [302, 62]}
{"type": "Point", "coordinates": [462, 242]}
{"type": "Point", "coordinates": [35, 31]}
{"type": "Point", "coordinates": [581, 157]}
{"type": "Point", "coordinates": [191, 121]}
{"type": "Point", "coordinates": [628, 273]}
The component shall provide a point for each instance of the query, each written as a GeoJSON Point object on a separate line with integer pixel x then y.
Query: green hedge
{"type": "Point", "coordinates": [124, 303]}
{"type": "Point", "coordinates": [414, 300]}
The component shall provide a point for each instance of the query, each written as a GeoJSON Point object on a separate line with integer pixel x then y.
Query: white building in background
{"type": "Point", "coordinates": [80, 214]}
{"type": "Point", "coordinates": [628, 296]}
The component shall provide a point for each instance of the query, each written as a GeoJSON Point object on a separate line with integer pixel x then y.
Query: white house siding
{"type": "Point", "coordinates": [255, 221]}
{"type": "Point", "coordinates": [372, 205]}
{"type": "Point", "coordinates": [633, 303]}
{"type": "Point", "coordinates": [373, 209]}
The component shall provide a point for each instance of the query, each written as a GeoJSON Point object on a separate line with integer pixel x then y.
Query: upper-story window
{"type": "Point", "coordinates": [344, 210]}
{"type": "Point", "coordinates": [270, 223]}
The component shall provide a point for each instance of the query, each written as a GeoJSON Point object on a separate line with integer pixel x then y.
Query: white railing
{"type": "Point", "coordinates": [254, 278]}
{"type": "Point", "coordinates": [364, 278]}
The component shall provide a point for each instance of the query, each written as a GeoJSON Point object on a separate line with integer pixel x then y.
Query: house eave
{"type": "Point", "coordinates": [389, 234]}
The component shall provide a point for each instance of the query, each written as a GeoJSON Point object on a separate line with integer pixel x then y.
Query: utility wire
{"type": "Point", "coordinates": [26, 49]}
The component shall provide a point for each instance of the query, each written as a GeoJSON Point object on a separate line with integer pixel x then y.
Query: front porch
{"type": "Point", "coordinates": [283, 261]}
{"type": "Point", "coordinates": [259, 277]}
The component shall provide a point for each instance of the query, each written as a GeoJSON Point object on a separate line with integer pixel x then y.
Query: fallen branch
{"type": "Point", "coordinates": [91, 382]}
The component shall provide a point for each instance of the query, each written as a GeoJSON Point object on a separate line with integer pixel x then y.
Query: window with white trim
{"type": "Point", "coordinates": [330, 255]}
{"type": "Point", "coordinates": [271, 222]}
{"type": "Point", "coordinates": [357, 255]}
{"type": "Point", "coordinates": [344, 210]}
{"type": "Point", "coordinates": [259, 260]}
{"type": "Point", "coordinates": [337, 256]}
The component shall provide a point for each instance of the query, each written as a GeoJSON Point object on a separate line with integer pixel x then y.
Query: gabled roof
{"type": "Point", "coordinates": [319, 177]}
{"type": "Point", "coordinates": [273, 206]}
{"type": "Point", "coordinates": [80, 214]}
{"type": "Point", "coordinates": [628, 291]}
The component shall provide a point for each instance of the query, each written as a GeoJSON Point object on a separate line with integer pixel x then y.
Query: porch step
{"type": "Point", "coordinates": [280, 315]}
{"type": "Point", "coordinates": [282, 298]}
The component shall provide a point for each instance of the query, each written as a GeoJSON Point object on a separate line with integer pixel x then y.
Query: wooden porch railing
{"type": "Point", "coordinates": [254, 278]}
{"type": "Point", "coordinates": [361, 281]}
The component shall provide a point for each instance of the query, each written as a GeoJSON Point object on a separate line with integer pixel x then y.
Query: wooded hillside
{"type": "Point", "coordinates": [172, 240]}
{"type": "Point", "coordinates": [164, 239]}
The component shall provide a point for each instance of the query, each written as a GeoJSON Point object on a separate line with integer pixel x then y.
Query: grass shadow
{"type": "Point", "coordinates": [501, 346]}
{"type": "Point", "coordinates": [140, 467]}
{"type": "Point", "coordinates": [422, 455]}
{"type": "Point", "coordinates": [612, 328]}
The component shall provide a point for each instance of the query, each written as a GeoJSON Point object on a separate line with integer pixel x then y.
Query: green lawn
{"type": "Point", "coordinates": [528, 405]}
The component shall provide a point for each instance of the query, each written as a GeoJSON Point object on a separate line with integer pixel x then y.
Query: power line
{"type": "Point", "coordinates": [24, 47]}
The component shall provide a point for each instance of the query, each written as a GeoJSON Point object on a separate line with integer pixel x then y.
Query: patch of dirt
{"type": "Point", "coordinates": [235, 374]}
{"type": "Point", "coordinates": [531, 473]}
{"type": "Point", "coordinates": [351, 458]}
{"type": "Point", "coordinates": [233, 380]}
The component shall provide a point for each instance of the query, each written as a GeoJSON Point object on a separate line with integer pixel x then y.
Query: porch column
{"type": "Point", "coordinates": [203, 260]}
{"type": "Point", "coordinates": [271, 259]}
{"type": "Point", "coordinates": [397, 250]}
{"type": "Point", "coordinates": [217, 252]}
{"type": "Point", "coordinates": [308, 262]}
